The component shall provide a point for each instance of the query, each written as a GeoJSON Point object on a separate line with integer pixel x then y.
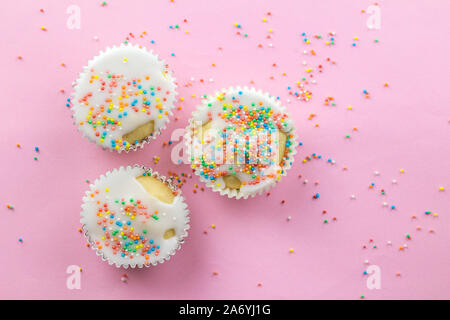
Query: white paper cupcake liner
{"type": "Point", "coordinates": [233, 193]}
{"type": "Point", "coordinates": [145, 141]}
{"type": "Point", "coordinates": [162, 259]}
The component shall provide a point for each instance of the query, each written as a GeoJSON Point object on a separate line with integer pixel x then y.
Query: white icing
{"type": "Point", "coordinates": [210, 109]}
{"type": "Point", "coordinates": [122, 184]}
{"type": "Point", "coordinates": [131, 62]}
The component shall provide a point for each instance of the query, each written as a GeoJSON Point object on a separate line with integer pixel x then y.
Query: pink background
{"type": "Point", "coordinates": [404, 126]}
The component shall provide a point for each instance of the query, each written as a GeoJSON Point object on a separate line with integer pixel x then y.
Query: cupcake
{"type": "Point", "coordinates": [123, 98]}
{"type": "Point", "coordinates": [240, 142]}
{"type": "Point", "coordinates": [134, 217]}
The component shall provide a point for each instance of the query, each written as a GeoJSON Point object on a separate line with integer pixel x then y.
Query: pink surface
{"type": "Point", "coordinates": [402, 126]}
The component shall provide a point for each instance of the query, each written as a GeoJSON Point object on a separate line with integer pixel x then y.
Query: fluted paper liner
{"type": "Point", "coordinates": [140, 144]}
{"type": "Point", "coordinates": [154, 174]}
{"type": "Point", "coordinates": [233, 193]}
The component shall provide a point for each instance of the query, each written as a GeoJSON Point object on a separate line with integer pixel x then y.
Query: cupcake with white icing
{"type": "Point", "coordinates": [123, 98]}
{"type": "Point", "coordinates": [240, 142]}
{"type": "Point", "coordinates": [133, 217]}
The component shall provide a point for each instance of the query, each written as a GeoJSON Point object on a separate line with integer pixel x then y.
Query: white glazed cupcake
{"type": "Point", "coordinates": [133, 217]}
{"type": "Point", "coordinates": [123, 98]}
{"type": "Point", "coordinates": [240, 142]}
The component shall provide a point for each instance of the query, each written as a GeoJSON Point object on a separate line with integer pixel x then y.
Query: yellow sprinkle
{"type": "Point", "coordinates": [106, 189]}
{"type": "Point", "coordinates": [213, 226]}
